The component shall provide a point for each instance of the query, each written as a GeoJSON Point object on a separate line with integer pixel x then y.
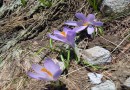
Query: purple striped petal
{"type": "Point", "coordinates": [90, 29]}
{"type": "Point", "coordinates": [34, 75]}
{"type": "Point", "coordinates": [57, 32]}
{"type": "Point", "coordinates": [51, 66]}
{"type": "Point", "coordinates": [90, 18]}
{"type": "Point", "coordinates": [37, 68]}
{"type": "Point", "coordinates": [80, 23]}
{"type": "Point", "coordinates": [66, 29]}
{"type": "Point", "coordinates": [71, 23]}
{"type": "Point", "coordinates": [39, 77]}
{"type": "Point", "coordinates": [58, 37]}
{"type": "Point", "coordinates": [80, 28]}
{"type": "Point", "coordinates": [81, 16]}
{"type": "Point", "coordinates": [98, 23]}
{"type": "Point", "coordinates": [71, 37]}
{"type": "Point", "coordinates": [57, 74]}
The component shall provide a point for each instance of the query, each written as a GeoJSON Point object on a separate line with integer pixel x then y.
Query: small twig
{"type": "Point", "coordinates": [112, 43]}
{"type": "Point", "coordinates": [108, 40]}
{"type": "Point", "coordinates": [123, 51]}
{"type": "Point", "coordinates": [74, 71]}
{"type": "Point", "coordinates": [121, 42]}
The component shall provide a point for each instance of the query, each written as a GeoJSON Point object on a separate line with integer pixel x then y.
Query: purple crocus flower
{"type": "Point", "coordinates": [49, 72]}
{"type": "Point", "coordinates": [86, 22]}
{"type": "Point", "coordinates": [66, 36]}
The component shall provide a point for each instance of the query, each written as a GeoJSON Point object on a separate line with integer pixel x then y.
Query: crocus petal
{"type": "Point", "coordinates": [34, 75]}
{"type": "Point", "coordinates": [66, 29]}
{"type": "Point", "coordinates": [51, 66]}
{"type": "Point", "coordinates": [57, 32]}
{"type": "Point", "coordinates": [72, 23]}
{"type": "Point", "coordinates": [37, 68]}
{"type": "Point", "coordinates": [39, 77]}
{"type": "Point", "coordinates": [80, 23]}
{"type": "Point", "coordinates": [71, 38]}
{"type": "Point", "coordinates": [80, 28]}
{"type": "Point", "coordinates": [98, 23]}
{"type": "Point", "coordinates": [90, 29]}
{"type": "Point", "coordinates": [81, 16]}
{"type": "Point", "coordinates": [57, 74]}
{"type": "Point", "coordinates": [57, 37]}
{"type": "Point", "coordinates": [90, 18]}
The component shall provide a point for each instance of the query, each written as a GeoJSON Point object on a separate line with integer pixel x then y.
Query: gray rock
{"type": "Point", "coordinates": [96, 55]}
{"type": "Point", "coordinates": [108, 85]}
{"type": "Point", "coordinates": [127, 83]}
{"type": "Point", "coordinates": [95, 78]}
{"type": "Point", "coordinates": [115, 6]}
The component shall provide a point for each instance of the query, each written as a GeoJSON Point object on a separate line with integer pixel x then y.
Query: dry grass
{"type": "Point", "coordinates": [16, 59]}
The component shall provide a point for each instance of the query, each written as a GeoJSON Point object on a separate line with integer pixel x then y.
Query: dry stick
{"type": "Point", "coordinates": [124, 50]}
{"type": "Point", "coordinates": [113, 44]}
{"type": "Point", "coordinates": [63, 76]}
{"type": "Point", "coordinates": [121, 43]}
{"type": "Point", "coordinates": [74, 71]}
{"type": "Point", "coordinates": [108, 40]}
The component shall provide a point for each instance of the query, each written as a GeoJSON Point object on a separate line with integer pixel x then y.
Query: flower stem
{"type": "Point", "coordinates": [76, 50]}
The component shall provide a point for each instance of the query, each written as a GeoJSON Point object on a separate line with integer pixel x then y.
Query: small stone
{"type": "Point", "coordinates": [96, 55]}
{"type": "Point", "coordinates": [127, 83]}
{"type": "Point", "coordinates": [115, 6]}
{"type": "Point", "coordinates": [95, 78]}
{"type": "Point", "coordinates": [108, 85]}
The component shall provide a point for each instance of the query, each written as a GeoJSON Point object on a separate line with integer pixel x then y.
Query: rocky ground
{"type": "Point", "coordinates": [23, 32]}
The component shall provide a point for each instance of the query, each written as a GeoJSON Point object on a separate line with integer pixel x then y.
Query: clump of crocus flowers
{"type": "Point", "coordinates": [88, 22]}
{"type": "Point", "coordinates": [50, 70]}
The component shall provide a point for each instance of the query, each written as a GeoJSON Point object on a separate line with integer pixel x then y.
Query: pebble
{"type": "Point", "coordinates": [96, 55]}
{"type": "Point", "coordinates": [127, 83]}
{"type": "Point", "coordinates": [107, 85]}
{"type": "Point", "coordinates": [95, 78]}
{"type": "Point", "coordinates": [115, 6]}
